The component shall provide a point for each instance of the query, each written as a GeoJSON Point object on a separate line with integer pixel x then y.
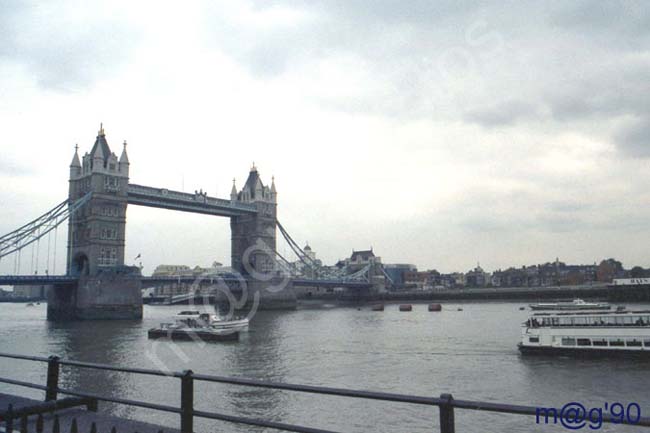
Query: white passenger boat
{"type": "Point", "coordinates": [575, 305]}
{"type": "Point", "coordinates": [193, 325]}
{"type": "Point", "coordinates": [197, 319]}
{"type": "Point", "coordinates": [587, 333]}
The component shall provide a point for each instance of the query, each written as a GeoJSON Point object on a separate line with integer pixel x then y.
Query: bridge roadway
{"type": "Point", "coordinates": [38, 280]}
{"type": "Point", "coordinates": [186, 202]}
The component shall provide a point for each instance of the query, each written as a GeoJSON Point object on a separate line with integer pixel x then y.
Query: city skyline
{"type": "Point", "coordinates": [439, 135]}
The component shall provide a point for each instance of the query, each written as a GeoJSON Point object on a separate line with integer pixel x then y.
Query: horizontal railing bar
{"type": "Point", "coordinates": [21, 383]}
{"type": "Point", "coordinates": [431, 401]}
{"type": "Point", "coordinates": [48, 406]}
{"type": "Point", "coordinates": [259, 422]}
{"type": "Point", "coordinates": [135, 370]}
{"type": "Point", "coordinates": [25, 357]}
{"type": "Point", "coordinates": [137, 403]}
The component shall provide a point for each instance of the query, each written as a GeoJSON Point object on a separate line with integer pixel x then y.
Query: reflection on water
{"type": "Point", "coordinates": [470, 353]}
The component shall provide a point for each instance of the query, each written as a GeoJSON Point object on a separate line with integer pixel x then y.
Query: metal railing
{"type": "Point", "coordinates": [446, 403]}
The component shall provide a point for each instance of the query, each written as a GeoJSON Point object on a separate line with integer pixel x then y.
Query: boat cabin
{"type": "Point", "coordinates": [631, 319]}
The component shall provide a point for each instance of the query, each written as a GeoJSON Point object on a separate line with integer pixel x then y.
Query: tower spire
{"type": "Point", "coordinates": [75, 159]}
{"type": "Point", "coordinates": [233, 191]}
{"type": "Point", "coordinates": [101, 130]}
{"type": "Point", "coordinates": [124, 158]}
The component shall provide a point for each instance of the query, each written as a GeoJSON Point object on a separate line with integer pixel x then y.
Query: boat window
{"type": "Point", "coordinates": [599, 342]}
{"type": "Point", "coordinates": [555, 321]}
{"type": "Point", "coordinates": [584, 342]}
{"type": "Point", "coordinates": [610, 320]}
{"type": "Point", "coordinates": [566, 341]}
{"type": "Point", "coordinates": [533, 339]}
{"type": "Point", "coordinates": [633, 343]}
{"type": "Point", "coordinates": [619, 320]}
{"type": "Point", "coordinates": [646, 343]}
{"type": "Point", "coordinates": [616, 343]}
{"type": "Point", "coordinates": [629, 320]}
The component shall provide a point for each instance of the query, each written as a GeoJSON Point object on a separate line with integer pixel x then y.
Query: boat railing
{"type": "Point", "coordinates": [445, 403]}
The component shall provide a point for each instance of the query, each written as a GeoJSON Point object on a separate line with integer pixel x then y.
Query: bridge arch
{"type": "Point", "coordinates": [80, 265]}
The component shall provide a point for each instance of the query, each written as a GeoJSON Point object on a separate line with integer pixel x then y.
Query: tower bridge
{"type": "Point", "coordinates": [98, 285]}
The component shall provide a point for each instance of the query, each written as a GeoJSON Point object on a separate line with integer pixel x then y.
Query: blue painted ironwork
{"type": "Point", "coordinates": [41, 226]}
{"type": "Point", "coordinates": [35, 280]}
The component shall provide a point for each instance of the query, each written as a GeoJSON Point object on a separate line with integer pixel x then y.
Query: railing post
{"type": "Point", "coordinates": [52, 378]}
{"type": "Point", "coordinates": [447, 424]}
{"type": "Point", "coordinates": [187, 402]}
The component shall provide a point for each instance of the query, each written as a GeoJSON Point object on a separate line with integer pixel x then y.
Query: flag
{"type": "Point", "coordinates": [138, 256]}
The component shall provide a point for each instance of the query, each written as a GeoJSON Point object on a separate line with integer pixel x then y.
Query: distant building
{"type": "Point", "coordinates": [360, 259]}
{"type": "Point", "coordinates": [477, 277]}
{"type": "Point", "coordinates": [396, 272]}
{"type": "Point", "coordinates": [171, 271]}
{"type": "Point", "coordinates": [176, 288]}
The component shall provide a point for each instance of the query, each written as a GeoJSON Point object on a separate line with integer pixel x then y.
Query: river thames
{"type": "Point", "coordinates": [471, 354]}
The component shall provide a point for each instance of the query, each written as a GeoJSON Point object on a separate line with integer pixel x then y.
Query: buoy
{"type": "Point", "coordinates": [522, 308]}
{"type": "Point", "coordinates": [378, 307]}
{"type": "Point", "coordinates": [460, 309]}
{"type": "Point", "coordinates": [405, 307]}
{"type": "Point", "coordinates": [435, 307]}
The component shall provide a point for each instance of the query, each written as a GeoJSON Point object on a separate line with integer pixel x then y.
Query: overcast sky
{"type": "Point", "coordinates": [439, 133]}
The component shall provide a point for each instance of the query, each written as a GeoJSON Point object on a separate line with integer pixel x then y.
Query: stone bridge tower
{"type": "Point", "coordinates": [97, 231]}
{"type": "Point", "coordinates": [253, 236]}
{"type": "Point", "coordinates": [106, 289]}
{"type": "Point", "coordinates": [254, 244]}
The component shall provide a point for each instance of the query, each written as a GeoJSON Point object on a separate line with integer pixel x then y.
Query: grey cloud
{"type": "Point", "coordinates": [502, 114]}
{"type": "Point", "coordinates": [614, 19]}
{"type": "Point", "coordinates": [634, 139]}
{"type": "Point", "coordinates": [62, 53]}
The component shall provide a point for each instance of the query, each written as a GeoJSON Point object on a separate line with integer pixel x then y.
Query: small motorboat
{"type": "Point", "coordinates": [194, 325]}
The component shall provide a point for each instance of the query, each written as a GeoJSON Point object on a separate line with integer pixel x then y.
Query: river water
{"type": "Point", "coordinates": [471, 354]}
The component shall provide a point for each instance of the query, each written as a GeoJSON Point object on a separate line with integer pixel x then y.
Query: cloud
{"type": "Point", "coordinates": [12, 169]}
{"type": "Point", "coordinates": [633, 139]}
{"type": "Point", "coordinates": [502, 114]}
{"type": "Point", "coordinates": [64, 45]}
{"type": "Point", "coordinates": [616, 20]}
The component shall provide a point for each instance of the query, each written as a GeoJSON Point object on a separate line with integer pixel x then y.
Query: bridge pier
{"type": "Point", "coordinates": [106, 296]}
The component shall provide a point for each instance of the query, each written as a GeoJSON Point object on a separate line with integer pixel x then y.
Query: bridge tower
{"type": "Point", "coordinates": [254, 242]}
{"type": "Point", "coordinates": [97, 232]}
{"type": "Point", "coordinates": [251, 234]}
{"type": "Point", "coordinates": [96, 236]}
